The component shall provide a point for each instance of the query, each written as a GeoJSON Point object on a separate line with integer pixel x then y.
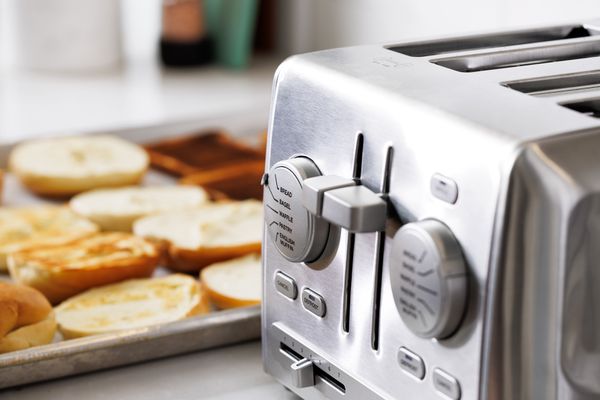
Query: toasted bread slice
{"type": "Point", "coordinates": [201, 152]}
{"type": "Point", "coordinates": [234, 283]}
{"type": "Point", "coordinates": [211, 234]}
{"type": "Point", "coordinates": [30, 227]}
{"type": "Point", "coordinates": [117, 209]}
{"type": "Point", "coordinates": [131, 304]}
{"type": "Point", "coordinates": [62, 271]}
{"type": "Point", "coordinates": [237, 181]}
{"type": "Point", "coordinates": [70, 165]}
{"type": "Point", "coordinates": [36, 334]}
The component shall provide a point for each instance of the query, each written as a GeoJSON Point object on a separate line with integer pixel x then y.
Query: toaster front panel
{"type": "Point", "coordinates": [331, 324]}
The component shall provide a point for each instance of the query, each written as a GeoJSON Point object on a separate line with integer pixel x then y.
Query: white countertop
{"type": "Point", "coordinates": [228, 373]}
{"type": "Point", "coordinates": [141, 95]}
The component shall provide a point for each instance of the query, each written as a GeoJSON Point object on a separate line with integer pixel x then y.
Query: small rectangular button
{"type": "Point", "coordinates": [444, 188]}
{"type": "Point", "coordinates": [446, 384]}
{"type": "Point", "coordinates": [286, 285]}
{"type": "Point", "coordinates": [411, 363]}
{"type": "Point", "coordinates": [313, 302]}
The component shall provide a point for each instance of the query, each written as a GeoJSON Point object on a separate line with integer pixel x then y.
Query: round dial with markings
{"type": "Point", "coordinates": [298, 235]}
{"type": "Point", "coordinates": [428, 277]}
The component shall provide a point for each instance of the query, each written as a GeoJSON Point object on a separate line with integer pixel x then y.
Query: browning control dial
{"type": "Point", "coordinates": [298, 235]}
{"type": "Point", "coordinates": [428, 277]}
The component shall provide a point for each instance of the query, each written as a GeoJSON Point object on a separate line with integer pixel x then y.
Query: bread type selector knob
{"type": "Point", "coordinates": [299, 235]}
{"type": "Point", "coordinates": [429, 278]}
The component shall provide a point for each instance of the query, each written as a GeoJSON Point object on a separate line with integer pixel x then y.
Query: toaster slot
{"type": "Point", "coordinates": [522, 57]}
{"type": "Point", "coordinates": [557, 84]}
{"type": "Point", "coordinates": [328, 379]}
{"type": "Point", "coordinates": [590, 107]}
{"type": "Point", "coordinates": [493, 40]}
{"type": "Point", "coordinates": [356, 175]}
{"type": "Point", "coordinates": [380, 246]}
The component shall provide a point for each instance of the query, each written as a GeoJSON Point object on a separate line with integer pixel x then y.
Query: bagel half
{"type": "Point", "coordinates": [65, 166]}
{"type": "Point", "coordinates": [234, 283]}
{"type": "Point", "coordinates": [211, 234]}
{"type": "Point", "coordinates": [117, 209]}
{"type": "Point", "coordinates": [60, 272]}
{"type": "Point", "coordinates": [131, 304]}
{"type": "Point", "coordinates": [23, 228]}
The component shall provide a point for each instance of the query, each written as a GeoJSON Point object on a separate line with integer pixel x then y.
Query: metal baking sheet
{"type": "Point", "coordinates": [77, 356]}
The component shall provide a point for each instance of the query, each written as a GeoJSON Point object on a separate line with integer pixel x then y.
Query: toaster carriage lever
{"type": "Point", "coordinates": [343, 203]}
{"type": "Point", "coordinates": [303, 373]}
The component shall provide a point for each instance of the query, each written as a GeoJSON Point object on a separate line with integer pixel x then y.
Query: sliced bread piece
{"type": "Point", "coordinates": [131, 304]}
{"type": "Point", "coordinates": [117, 209]}
{"type": "Point", "coordinates": [234, 283]}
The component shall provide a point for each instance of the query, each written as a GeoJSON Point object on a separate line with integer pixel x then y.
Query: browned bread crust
{"type": "Point", "coordinates": [26, 318]}
{"type": "Point", "coordinates": [201, 152]}
{"type": "Point", "coordinates": [238, 181]}
{"type": "Point", "coordinates": [62, 271]}
{"type": "Point", "coordinates": [20, 306]}
{"type": "Point", "coordinates": [193, 260]}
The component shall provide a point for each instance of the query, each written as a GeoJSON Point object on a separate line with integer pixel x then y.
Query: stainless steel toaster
{"type": "Point", "coordinates": [432, 219]}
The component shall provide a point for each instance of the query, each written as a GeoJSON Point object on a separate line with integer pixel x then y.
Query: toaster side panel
{"type": "Point", "coordinates": [544, 315]}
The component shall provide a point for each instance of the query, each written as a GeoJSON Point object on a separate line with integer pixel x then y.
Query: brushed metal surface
{"type": "Point", "coordinates": [527, 219]}
{"type": "Point", "coordinates": [543, 323]}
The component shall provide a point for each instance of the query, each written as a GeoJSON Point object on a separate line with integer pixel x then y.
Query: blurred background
{"type": "Point", "coordinates": [73, 66]}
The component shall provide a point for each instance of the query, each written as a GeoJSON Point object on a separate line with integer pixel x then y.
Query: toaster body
{"type": "Point", "coordinates": [479, 155]}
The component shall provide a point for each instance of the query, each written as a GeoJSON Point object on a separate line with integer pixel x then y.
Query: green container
{"type": "Point", "coordinates": [231, 24]}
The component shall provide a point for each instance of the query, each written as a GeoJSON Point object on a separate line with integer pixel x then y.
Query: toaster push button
{"type": "Point", "coordinates": [444, 188]}
{"type": "Point", "coordinates": [411, 363]}
{"type": "Point", "coordinates": [286, 285]}
{"type": "Point", "coordinates": [313, 302]}
{"type": "Point", "coordinates": [446, 384]}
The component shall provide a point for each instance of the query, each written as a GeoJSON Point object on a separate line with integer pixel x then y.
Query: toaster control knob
{"type": "Point", "coordinates": [429, 278]}
{"type": "Point", "coordinates": [298, 235]}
